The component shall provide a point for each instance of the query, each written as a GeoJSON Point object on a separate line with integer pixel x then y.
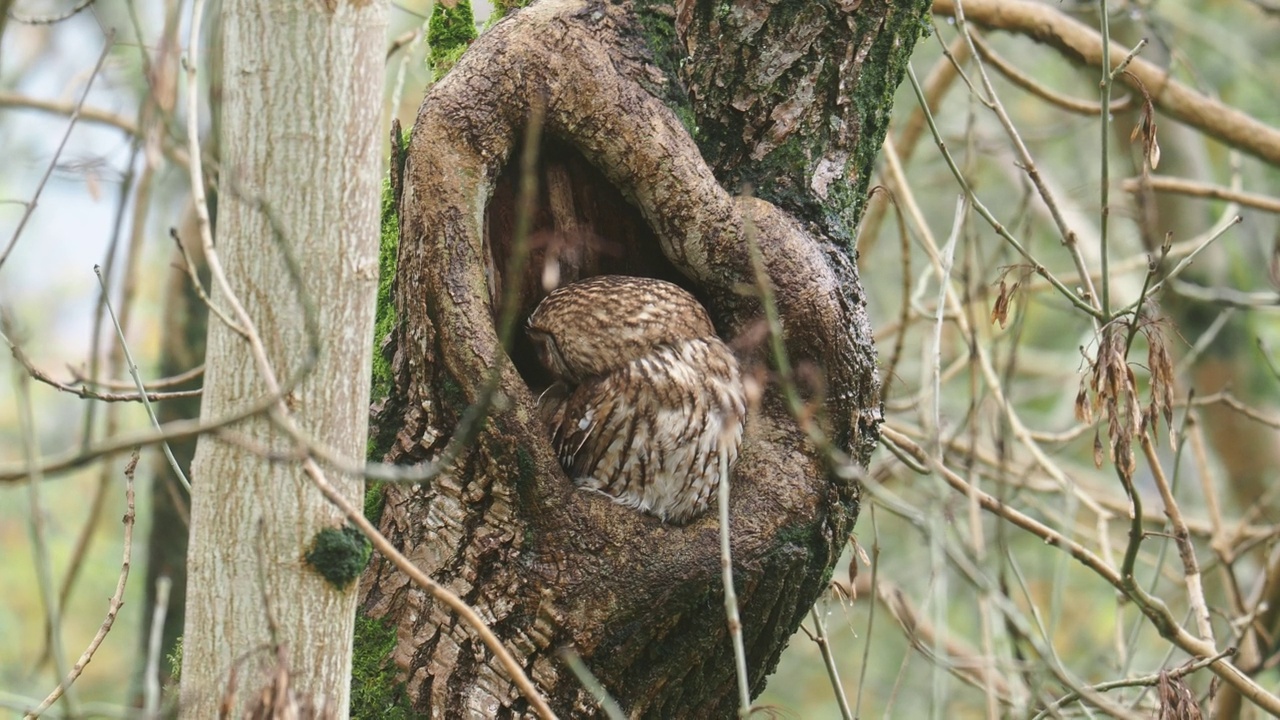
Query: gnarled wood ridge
{"type": "Point", "coordinates": [621, 188]}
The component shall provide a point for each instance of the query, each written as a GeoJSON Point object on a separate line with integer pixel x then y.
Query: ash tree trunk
{"type": "Point", "coordinates": [268, 626]}
{"type": "Point", "coordinates": [671, 141]}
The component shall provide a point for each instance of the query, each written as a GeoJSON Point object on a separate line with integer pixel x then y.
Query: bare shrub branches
{"type": "Point", "coordinates": [1073, 419]}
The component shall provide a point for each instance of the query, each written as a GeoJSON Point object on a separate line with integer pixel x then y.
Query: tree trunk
{"type": "Point", "coordinates": [299, 177]}
{"type": "Point", "coordinates": [621, 187]}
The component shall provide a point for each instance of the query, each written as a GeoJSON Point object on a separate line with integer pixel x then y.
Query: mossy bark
{"type": "Point", "coordinates": [793, 97]}
{"type": "Point", "coordinates": [621, 187]}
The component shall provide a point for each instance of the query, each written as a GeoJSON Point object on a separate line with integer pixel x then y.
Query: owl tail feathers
{"type": "Point", "coordinates": [679, 512]}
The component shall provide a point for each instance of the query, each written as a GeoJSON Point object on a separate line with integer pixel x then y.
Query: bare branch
{"type": "Point", "coordinates": [53, 162]}
{"type": "Point", "coordinates": [1078, 43]}
{"type": "Point", "coordinates": [113, 605]}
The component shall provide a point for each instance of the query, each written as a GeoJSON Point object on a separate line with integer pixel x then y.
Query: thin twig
{"type": "Point", "coordinates": [127, 192]}
{"type": "Point", "coordinates": [958, 658]}
{"type": "Point", "coordinates": [987, 215]}
{"type": "Point", "coordinates": [189, 264]}
{"type": "Point", "coordinates": [1031, 85]}
{"type": "Point", "coordinates": [66, 109]}
{"type": "Point", "coordinates": [1019, 429]}
{"type": "Point", "coordinates": [1067, 235]}
{"type": "Point", "coordinates": [1104, 184]}
{"type": "Point", "coordinates": [1227, 398]}
{"type": "Point", "coordinates": [1186, 261]}
{"type": "Point", "coordinates": [169, 432]}
{"type": "Point", "coordinates": [1012, 613]}
{"type": "Point", "coordinates": [155, 640]}
{"type": "Point", "coordinates": [611, 709]}
{"type": "Point", "coordinates": [1262, 301]}
{"type": "Point", "coordinates": [113, 605]}
{"type": "Point", "coordinates": [1082, 45]}
{"type": "Point", "coordinates": [828, 659]}
{"type": "Point", "coordinates": [132, 367]}
{"type": "Point", "coordinates": [1153, 608]}
{"type": "Point", "coordinates": [940, 78]}
{"type": "Point", "coordinates": [160, 383]}
{"type": "Point", "coordinates": [57, 153]}
{"type": "Point", "coordinates": [1111, 502]}
{"type": "Point", "coordinates": [1182, 537]}
{"type": "Point", "coordinates": [904, 248]}
{"type": "Point", "coordinates": [730, 597]}
{"type": "Point", "coordinates": [83, 392]}
{"type": "Point", "coordinates": [36, 516]}
{"type": "Point", "coordinates": [871, 612]}
{"type": "Point", "coordinates": [1145, 680]}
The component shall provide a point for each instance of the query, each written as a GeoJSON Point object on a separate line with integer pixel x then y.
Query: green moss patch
{"type": "Point", "coordinates": [376, 692]}
{"type": "Point", "coordinates": [340, 555]}
{"type": "Point", "coordinates": [449, 31]}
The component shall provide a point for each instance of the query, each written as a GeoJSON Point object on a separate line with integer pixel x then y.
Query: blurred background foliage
{"type": "Point", "coordinates": [923, 639]}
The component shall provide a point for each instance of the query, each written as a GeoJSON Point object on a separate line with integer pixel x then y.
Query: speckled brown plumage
{"type": "Point", "coordinates": [646, 397]}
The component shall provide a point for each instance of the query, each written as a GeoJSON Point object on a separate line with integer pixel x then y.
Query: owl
{"type": "Point", "coordinates": [646, 400]}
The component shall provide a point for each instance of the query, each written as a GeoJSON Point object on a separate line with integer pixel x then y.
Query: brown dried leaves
{"type": "Point", "coordinates": [1110, 388]}
{"type": "Point", "coordinates": [1000, 309]}
{"type": "Point", "coordinates": [1177, 702]}
{"type": "Point", "coordinates": [1146, 130]}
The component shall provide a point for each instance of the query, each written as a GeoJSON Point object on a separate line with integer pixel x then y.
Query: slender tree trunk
{"type": "Point", "coordinates": [299, 177]}
{"type": "Point", "coordinates": [616, 96]}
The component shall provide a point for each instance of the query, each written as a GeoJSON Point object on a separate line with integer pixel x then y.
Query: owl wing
{"type": "Point", "coordinates": [648, 433]}
{"type": "Point", "coordinates": [595, 427]}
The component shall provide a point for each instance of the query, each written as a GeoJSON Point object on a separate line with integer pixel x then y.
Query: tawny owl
{"type": "Point", "coordinates": [646, 398]}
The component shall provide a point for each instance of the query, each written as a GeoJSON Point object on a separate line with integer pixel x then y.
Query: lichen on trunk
{"type": "Point", "coordinates": [621, 187]}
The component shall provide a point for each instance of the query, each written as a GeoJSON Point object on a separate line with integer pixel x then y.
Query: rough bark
{"type": "Point", "coordinates": [622, 187]}
{"type": "Point", "coordinates": [811, 88]}
{"type": "Point", "coordinates": [299, 152]}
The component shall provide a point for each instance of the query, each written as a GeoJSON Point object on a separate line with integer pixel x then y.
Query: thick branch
{"type": "Point", "coordinates": [1081, 44]}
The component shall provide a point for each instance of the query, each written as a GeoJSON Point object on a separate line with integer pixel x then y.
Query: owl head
{"type": "Point", "coordinates": [589, 328]}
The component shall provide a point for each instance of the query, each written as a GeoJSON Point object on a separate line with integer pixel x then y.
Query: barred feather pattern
{"type": "Point", "coordinates": [647, 398]}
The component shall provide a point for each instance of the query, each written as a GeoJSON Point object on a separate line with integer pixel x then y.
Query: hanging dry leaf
{"type": "Point", "coordinates": [1084, 411]}
{"type": "Point", "coordinates": [1146, 130]}
{"type": "Point", "coordinates": [1000, 311]}
{"type": "Point", "coordinates": [1177, 702]}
